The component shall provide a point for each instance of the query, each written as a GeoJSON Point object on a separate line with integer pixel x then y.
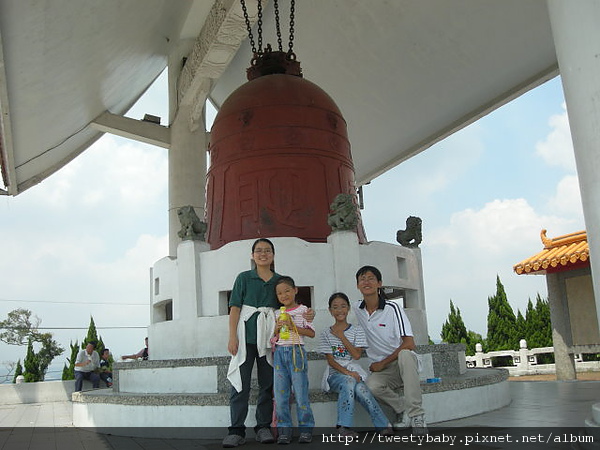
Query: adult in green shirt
{"type": "Point", "coordinates": [251, 323]}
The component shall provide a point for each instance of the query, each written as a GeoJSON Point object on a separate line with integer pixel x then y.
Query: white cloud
{"type": "Point", "coordinates": [499, 226]}
{"type": "Point", "coordinates": [113, 175]}
{"type": "Point", "coordinates": [461, 259]}
{"type": "Point", "coordinates": [129, 275]}
{"type": "Point", "coordinates": [412, 187]}
{"type": "Point", "coordinates": [567, 198]}
{"type": "Point", "coordinates": [557, 148]}
{"type": "Point", "coordinates": [85, 237]}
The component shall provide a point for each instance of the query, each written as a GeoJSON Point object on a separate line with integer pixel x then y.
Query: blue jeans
{"type": "Point", "coordinates": [291, 370]}
{"type": "Point", "coordinates": [348, 391]}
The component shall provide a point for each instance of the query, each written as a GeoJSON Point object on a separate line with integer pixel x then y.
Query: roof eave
{"type": "Point", "coordinates": [7, 161]}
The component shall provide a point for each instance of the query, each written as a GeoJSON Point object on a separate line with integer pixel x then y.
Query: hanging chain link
{"type": "Point", "coordinates": [248, 27]}
{"type": "Point", "coordinates": [292, 13]}
{"type": "Point", "coordinates": [259, 29]}
{"type": "Point", "coordinates": [277, 26]}
{"type": "Point", "coordinates": [259, 33]}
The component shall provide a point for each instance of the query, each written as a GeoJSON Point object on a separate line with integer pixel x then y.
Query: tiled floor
{"type": "Point", "coordinates": [540, 404]}
{"type": "Point", "coordinates": [541, 407]}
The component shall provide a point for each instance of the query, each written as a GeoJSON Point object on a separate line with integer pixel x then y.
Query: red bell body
{"type": "Point", "coordinates": [279, 155]}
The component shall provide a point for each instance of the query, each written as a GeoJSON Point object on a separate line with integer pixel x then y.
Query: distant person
{"type": "Point", "coordinates": [143, 353]}
{"type": "Point", "coordinates": [105, 372]}
{"type": "Point", "coordinates": [391, 349]}
{"type": "Point", "coordinates": [85, 365]}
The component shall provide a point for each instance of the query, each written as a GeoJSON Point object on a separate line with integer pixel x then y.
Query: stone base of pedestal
{"type": "Point", "coordinates": [190, 398]}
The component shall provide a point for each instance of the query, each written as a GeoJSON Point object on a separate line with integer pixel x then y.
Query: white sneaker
{"type": "Point", "coordinates": [419, 426]}
{"type": "Point", "coordinates": [402, 421]}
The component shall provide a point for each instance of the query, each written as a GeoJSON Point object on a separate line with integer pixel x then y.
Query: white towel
{"type": "Point", "coordinates": [265, 327]}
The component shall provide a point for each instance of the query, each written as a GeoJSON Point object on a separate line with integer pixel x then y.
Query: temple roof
{"type": "Point", "coordinates": [560, 253]}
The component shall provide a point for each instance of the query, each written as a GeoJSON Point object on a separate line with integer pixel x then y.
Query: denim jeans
{"type": "Point", "coordinates": [291, 371]}
{"type": "Point", "coordinates": [348, 392]}
{"type": "Point", "coordinates": [238, 402]}
{"type": "Point", "coordinates": [92, 376]}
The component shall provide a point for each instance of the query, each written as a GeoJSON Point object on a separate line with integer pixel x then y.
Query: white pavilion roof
{"type": "Point", "coordinates": [404, 73]}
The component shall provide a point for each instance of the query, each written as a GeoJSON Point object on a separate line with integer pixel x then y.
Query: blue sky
{"type": "Point", "coordinates": [81, 243]}
{"type": "Point", "coordinates": [484, 195]}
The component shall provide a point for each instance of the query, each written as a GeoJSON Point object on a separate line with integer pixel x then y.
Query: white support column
{"type": "Point", "coordinates": [187, 171]}
{"type": "Point", "coordinates": [576, 31]}
{"type": "Point", "coordinates": [189, 85]}
{"type": "Point", "coordinates": [346, 259]}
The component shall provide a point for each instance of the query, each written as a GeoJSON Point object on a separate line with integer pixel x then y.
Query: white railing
{"type": "Point", "coordinates": [525, 361]}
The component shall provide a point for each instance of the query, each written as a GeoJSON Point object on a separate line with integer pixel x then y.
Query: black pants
{"type": "Point", "coordinates": [238, 402]}
{"type": "Point", "coordinates": [93, 377]}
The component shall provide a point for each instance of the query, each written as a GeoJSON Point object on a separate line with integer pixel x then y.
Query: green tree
{"type": "Point", "coordinates": [69, 371]}
{"type": "Point", "coordinates": [472, 340]}
{"type": "Point", "coordinates": [18, 371]}
{"type": "Point", "coordinates": [49, 349]}
{"type": "Point", "coordinates": [32, 372]}
{"type": "Point", "coordinates": [21, 328]}
{"type": "Point", "coordinates": [501, 322]}
{"type": "Point", "coordinates": [36, 363]}
{"type": "Point", "coordinates": [521, 328]}
{"type": "Point", "coordinates": [453, 329]}
{"type": "Point", "coordinates": [92, 336]}
{"type": "Point", "coordinates": [538, 323]}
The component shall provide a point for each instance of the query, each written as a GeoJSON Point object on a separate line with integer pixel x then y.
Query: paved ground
{"type": "Point", "coordinates": [583, 376]}
{"type": "Point", "coordinates": [536, 412]}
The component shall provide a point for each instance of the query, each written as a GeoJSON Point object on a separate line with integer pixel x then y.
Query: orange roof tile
{"type": "Point", "coordinates": [560, 253]}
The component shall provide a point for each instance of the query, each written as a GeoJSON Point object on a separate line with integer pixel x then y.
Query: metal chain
{"type": "Point", "coordinates": [259, 50]}
{"type": "Point", "coordinates": [259, 30]}
{"type": "Point", "coordinates": [248, 27]}
{"type": "Point", "coordinates": [292, 11]}
{"type": "Point", "coordinates": [277, 26]}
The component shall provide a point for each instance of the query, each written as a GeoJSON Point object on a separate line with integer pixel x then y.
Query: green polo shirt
{"type": "Point", "coordinates": [249, 289]}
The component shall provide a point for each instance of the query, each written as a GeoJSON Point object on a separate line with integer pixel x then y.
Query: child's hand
{"type": "Point", "coordinates": [309, 315]}
{"type": "Point", "coordinates": [356, 376]}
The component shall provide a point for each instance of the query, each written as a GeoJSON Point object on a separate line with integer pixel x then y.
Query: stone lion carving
{"type": "Point", "coordinates": [343, 215]}
{"type": "Point", "coordinates": [412, 236]}
{"type": "Point", "coordinates": [192, 228]}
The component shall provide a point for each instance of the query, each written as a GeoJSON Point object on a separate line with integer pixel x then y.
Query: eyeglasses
{"type": "Point", "coordinates": [263, 250]}
{"type": "Point", "coordinates": [367, 280]}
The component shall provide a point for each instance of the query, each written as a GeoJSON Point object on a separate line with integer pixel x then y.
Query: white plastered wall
{"type": "Point", "coordinates": [198, 280]}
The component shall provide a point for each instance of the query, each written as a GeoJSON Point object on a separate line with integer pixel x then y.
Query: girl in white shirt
{"type": "Point", "coordinates": [342, 345]}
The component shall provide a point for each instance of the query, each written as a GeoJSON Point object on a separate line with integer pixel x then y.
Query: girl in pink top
{"type": "Point", "coordinates": [290, 365]}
